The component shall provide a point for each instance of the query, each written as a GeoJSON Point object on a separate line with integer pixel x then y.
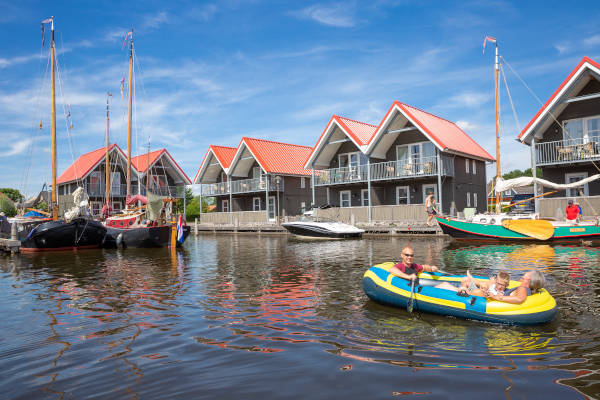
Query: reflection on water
{"type": "Point", "coordinates": [243, 313]}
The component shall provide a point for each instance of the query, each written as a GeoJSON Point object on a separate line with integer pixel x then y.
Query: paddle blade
{"type": "Point", "coordinates": [411, 301]}
{"type": "Point", "coordinates": [536, 228]}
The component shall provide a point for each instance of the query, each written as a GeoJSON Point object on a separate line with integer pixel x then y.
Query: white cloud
{"type": "Point", "coordinates": [16, 147]}
{"type": "Point", "coordinates": [204, 13]}
{"type": "Point", "coordinates": [155, 20]}
{"type": "Point", "coordinates": [338, 15]}
{"type": "Point", "coordinates": [469, 99]}
{"type": "Point", "coordinates": [592, 41]}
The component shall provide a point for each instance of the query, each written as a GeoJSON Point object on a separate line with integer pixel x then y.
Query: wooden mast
{"type": "Point", "coordinates": [53, 61]}
{"type": "Point", "coordinates": [107, 163]}
{"type": "Point", "coordinates": [129, 118]}
{"type": "Point", "coordinates": [148, 167]}
{"type": "Point", "coordinates": [496, 73]}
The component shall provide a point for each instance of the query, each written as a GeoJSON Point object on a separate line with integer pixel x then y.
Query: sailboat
{"type": "Point", "coordinates": [517, 227]}
{"type": "Point", "coordinates": [73, 232]}
{"type": "Point", "coordinates": [137, 227]}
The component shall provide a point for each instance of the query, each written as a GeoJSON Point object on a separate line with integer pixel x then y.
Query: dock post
{"type": "Point", "coordinates": [13, 231]}
{"type": "Point", "coordinates": [196, 227]}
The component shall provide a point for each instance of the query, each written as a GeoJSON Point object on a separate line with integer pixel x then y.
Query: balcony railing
{"type": "Point", "coordinates": [567, 151]}
{"type": "Point", "coordinates": [242, 186]}
{"type": "Point", "coordinates": [389, 170]}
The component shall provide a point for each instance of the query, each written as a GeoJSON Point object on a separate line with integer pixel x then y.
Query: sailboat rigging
{"type": "Point", "coordinates": [516, 227]}
{"type": "Point", "coordinates": [136, 226]}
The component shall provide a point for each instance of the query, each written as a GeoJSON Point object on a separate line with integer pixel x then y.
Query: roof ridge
{"type": "Point", "coordinates": [429, 113]}
{"type": "Point", "coordinates": [354, 120]}
{"type": "Point", "coordinates": [274, 141]}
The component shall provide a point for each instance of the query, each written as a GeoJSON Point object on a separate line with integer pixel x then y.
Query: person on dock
{"type": "Point", "coordinates": [430, 207]}
{"type": "Point", "coordinates": [531, 282]}
{"type": "Point", "coordinates": [408, 270]}
{"type": "Point", "coordinates": [572, 212]}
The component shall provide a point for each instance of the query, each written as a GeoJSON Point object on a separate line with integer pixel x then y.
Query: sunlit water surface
{"type": "Point", "coordinates": [255, 316]}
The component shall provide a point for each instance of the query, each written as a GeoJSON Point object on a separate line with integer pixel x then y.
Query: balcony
{"type": "Point", "coordinates": [384, 171]}
{"type": "Point", "coordinates": [241, 186]}
{"type": "Point", "coordinates": [567, 151]}
{"type": "Point", "coordinates": [99, 190]}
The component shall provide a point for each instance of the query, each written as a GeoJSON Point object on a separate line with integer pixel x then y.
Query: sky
{"type": "Point", "coordinates": [213, 72]}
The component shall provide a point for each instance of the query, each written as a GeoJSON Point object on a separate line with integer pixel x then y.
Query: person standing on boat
{"type": "Point", "coordinates": [531, 282]}
{"type": "Point", "coordinates": [408, 270]}
{"type": "Point", "coordinates": [572, 212]}
{"type": "Point", "coordinates": [430, 207]}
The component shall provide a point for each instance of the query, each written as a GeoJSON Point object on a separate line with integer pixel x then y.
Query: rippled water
{"type": "Point", "coordinates": [276, 317]}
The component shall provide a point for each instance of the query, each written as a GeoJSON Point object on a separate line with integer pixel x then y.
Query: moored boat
{"type": "Point", "coordinates": [381, 286]}
{"type": "Point", "coordinates": [322, 229]}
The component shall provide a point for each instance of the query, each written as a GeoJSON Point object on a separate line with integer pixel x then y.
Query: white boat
{"type": "Point", "coordinates": [309, 226]}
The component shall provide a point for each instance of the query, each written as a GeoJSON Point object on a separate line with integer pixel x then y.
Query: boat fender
{"type": "Point", "coordinates": [119, 239]}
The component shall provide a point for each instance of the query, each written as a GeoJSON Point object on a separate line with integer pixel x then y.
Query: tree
{"type": "Point", "coordinates": [7, 206]}
{"type": "Point", "coordinates": [516, 173]}
{"type": "Point", "coordinates": [12, 194]}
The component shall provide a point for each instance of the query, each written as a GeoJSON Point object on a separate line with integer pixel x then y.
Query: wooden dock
{"type": "Point", "coordinates": [10, 245]}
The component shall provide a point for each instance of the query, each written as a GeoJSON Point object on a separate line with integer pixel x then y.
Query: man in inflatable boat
{"type": "Point", "coordinates": [495, 289]}
{"type": "Point", "coordinates": [407, 269]}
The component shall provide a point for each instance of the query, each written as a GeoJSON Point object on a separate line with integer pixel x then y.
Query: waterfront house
{"type": "Point", "coordinates": [410, 154]}
{"type": "Point", "coordinates": [564, 135]}
{"type": "Point", "coordinates": [255, 182]}
{"type": "Point", "coordinates": [88, 171]}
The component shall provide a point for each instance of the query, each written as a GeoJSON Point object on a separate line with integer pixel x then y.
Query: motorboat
{"type": "Point", "coordinates": [310, 226]}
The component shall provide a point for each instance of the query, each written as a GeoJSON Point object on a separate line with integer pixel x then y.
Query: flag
{"type": "Point", "coordinates": [488, 39]}
{"type": "Point", "coordinates": [125, 41]}
{"type": "Point", "coordinates": [180, 229]}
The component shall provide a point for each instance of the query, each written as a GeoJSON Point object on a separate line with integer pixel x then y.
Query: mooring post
{"type": "Point", "coordinates": [196, 227]}
{"type": "Point", "coordinates": [13, 231]}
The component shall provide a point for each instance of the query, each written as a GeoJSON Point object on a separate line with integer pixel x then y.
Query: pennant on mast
{"type": "Point", "coordinates": [488, 39]}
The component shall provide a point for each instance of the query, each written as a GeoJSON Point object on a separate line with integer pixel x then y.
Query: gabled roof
{"type": "Point", "coordinates": [571, 83]}
{"type": "Point", "coordinates": [360, 133]}
{"type": "Point", "coordinates": [85, 164]}
{"type": "Point", "coordinates": [145, 161]}
{"type": "Point", "coordinates": [273, 157]}
{"type": "Point", "coordinates": [223, 154]}
{"type": "Point", "coordinates": [444, 134]}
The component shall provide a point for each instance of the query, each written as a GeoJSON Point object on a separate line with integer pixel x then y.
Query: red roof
{"type": "Point", "coordinates": [223, 154]}
{"type": "Point", "coordinates": [84, 165]}
{"type": "Point", "coordinates": [446, 134]}
{"type": "Point", "coordinates": [542, 110]}
{"type": "Point", "coordinates": [280, 158]}
{"type": "Point", "coordinates": [360, 131]}
{"type": "Point", "coordinates": [142, 162]}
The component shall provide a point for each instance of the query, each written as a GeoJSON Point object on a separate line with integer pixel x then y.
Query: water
{"type": "Point", "coordinates": [274, 317]}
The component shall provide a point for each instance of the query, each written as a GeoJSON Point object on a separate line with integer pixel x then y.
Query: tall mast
{"type": "Point", "coordinates": [148, 167]}
{"type": "Point", "coordinates": [496, 73]}
{"type": "Point", "coordinates": [129, 117]}
{"type": "Point", "coordinates": [107, 164]}
{"type": "Point", "coordinates": [53, 61]}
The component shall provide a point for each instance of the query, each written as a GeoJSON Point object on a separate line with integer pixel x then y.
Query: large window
{"type": "Point", "coordinates": [402, 195]}
{"type": "Point", "coordinates": [413, 157]}
{"type": "Point", "coordinates": [364, 197]}
{"type": "Point", "coordinates": [582, 129]}
{"type": "Point", "coordinates": [345, 198]}
{"type": "Point", "coordinates": [302, 183]}
{"type": "Point", "coordinates": [428, 189]}
{"type": "Point", "coordinates": [579, 191]}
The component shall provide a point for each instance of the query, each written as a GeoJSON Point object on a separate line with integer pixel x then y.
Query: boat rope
{"type": "Point", "coordinates": [510, 99]}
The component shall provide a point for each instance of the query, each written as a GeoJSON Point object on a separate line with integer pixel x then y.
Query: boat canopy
{"type": "Point", "coordinates": [503, 185]}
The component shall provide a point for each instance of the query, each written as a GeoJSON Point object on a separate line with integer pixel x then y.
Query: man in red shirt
{"type": "Point", "coordinates": [407, 269]}
{"type": "Point", "coordinates": [572, 212]}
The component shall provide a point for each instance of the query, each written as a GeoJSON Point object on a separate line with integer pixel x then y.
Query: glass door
{"type": "Point", "coordinates": [271, 207]}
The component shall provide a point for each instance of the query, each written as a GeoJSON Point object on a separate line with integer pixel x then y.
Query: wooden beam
{"type": "Point", "coordinates": [581, 98]}
{"type": "Point", "coordinates": [410, 128]}
{"type": "Point", "coordinates": [339, 141]}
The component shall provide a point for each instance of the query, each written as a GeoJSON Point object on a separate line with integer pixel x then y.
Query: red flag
{"type": "Point", "coordinates": [125, 41]}
{"type": "Point", "coordinates": [488, 39]}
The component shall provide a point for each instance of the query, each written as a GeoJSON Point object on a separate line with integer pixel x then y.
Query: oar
{"type": "Point", "coordinates": [410, 305]}
{"type": "Point", "coordinates": [535, 228]}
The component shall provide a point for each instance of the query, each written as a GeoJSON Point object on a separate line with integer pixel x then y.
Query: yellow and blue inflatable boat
{"type": "Point", "coordinates": [386, 288]}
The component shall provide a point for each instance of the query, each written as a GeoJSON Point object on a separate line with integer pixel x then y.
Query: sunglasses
{"type": "Point", "coordinates": [408, 255]}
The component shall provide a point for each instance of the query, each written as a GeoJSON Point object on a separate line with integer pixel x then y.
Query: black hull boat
{"type": "Point", "coordinates": [80, 233]}
{"type": "Point", "coordinates": [142, 237]}
{"type": "Point", "coordinates": [324, 230]}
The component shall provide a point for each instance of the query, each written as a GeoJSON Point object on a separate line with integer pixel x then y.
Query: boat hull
{"type": "Point", "coordinates": [464, 230]}
{"type": "Point", "coordinates": [379, 286]}
{"type": "Point", "coordinates": [142, 237]}
{"type": "Point", "coordinates": [315, 231]}
{"type": "Point", "coordinates": [79, 233]}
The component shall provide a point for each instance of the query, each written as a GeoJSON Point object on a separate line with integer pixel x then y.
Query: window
{"type": "Point", "coordinates": [345, 198]}
{"type": "Point", "coordinates": [430, 188]}
{"type": "Point", "coordinates": [579, 191]}
{"type": "Point", "coordinates": [116, 205]}
{"type": "Point", "coordinates": [402, 195]}
{"type": "Point", "coordinates": [412, 158]}
{"type": "Point", "coordinates": [115, 183]}
{"type": "Point", "coordinates": [95, 183]}
{"type": "Point", "coordinates": [583, 130]}
{"type": "Point", "coordinates": [364, 197]}
{"type": "Point", "coordinates": [256, 203]}
{"type": "Point", "coordinates": [257, 173]}
{"type": "Point", "coordinates": [302, 207]}
{"type": "Point", "coordinates": [302, 183]}
{"type": "Point", "coordinates": [467, 165]}
{"type": "Point", "coordinates": [96, 207]}
{"type": "Point", "coordinates": [468, 199]}
{"type": "Point", "coordinates": [474, 168]}
{"type": "Point", "coordinates": [475, 200]}
{"type": "Point", "coordinates": [225, 206]}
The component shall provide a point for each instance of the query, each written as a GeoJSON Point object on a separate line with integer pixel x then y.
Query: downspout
{"type": "Point", "coordinates": [534, 173]}
{"type": "Point", "coordinates": [230, 200]}
{"type": "Point", "coordinates": [369, 187]}
{"type": "Point", "coordinates": [267, 194]}
{"type": "Point", "coordinates": [439, 171]}
{"type": "Point", "coordinates": [313, 187]}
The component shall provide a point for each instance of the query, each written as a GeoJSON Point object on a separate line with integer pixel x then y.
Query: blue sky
{"type": "Point", "coordinates": [212, 72]}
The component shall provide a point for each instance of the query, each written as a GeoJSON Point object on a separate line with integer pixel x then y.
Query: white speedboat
{"type": "Point", "coordinates": [308, 226]}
